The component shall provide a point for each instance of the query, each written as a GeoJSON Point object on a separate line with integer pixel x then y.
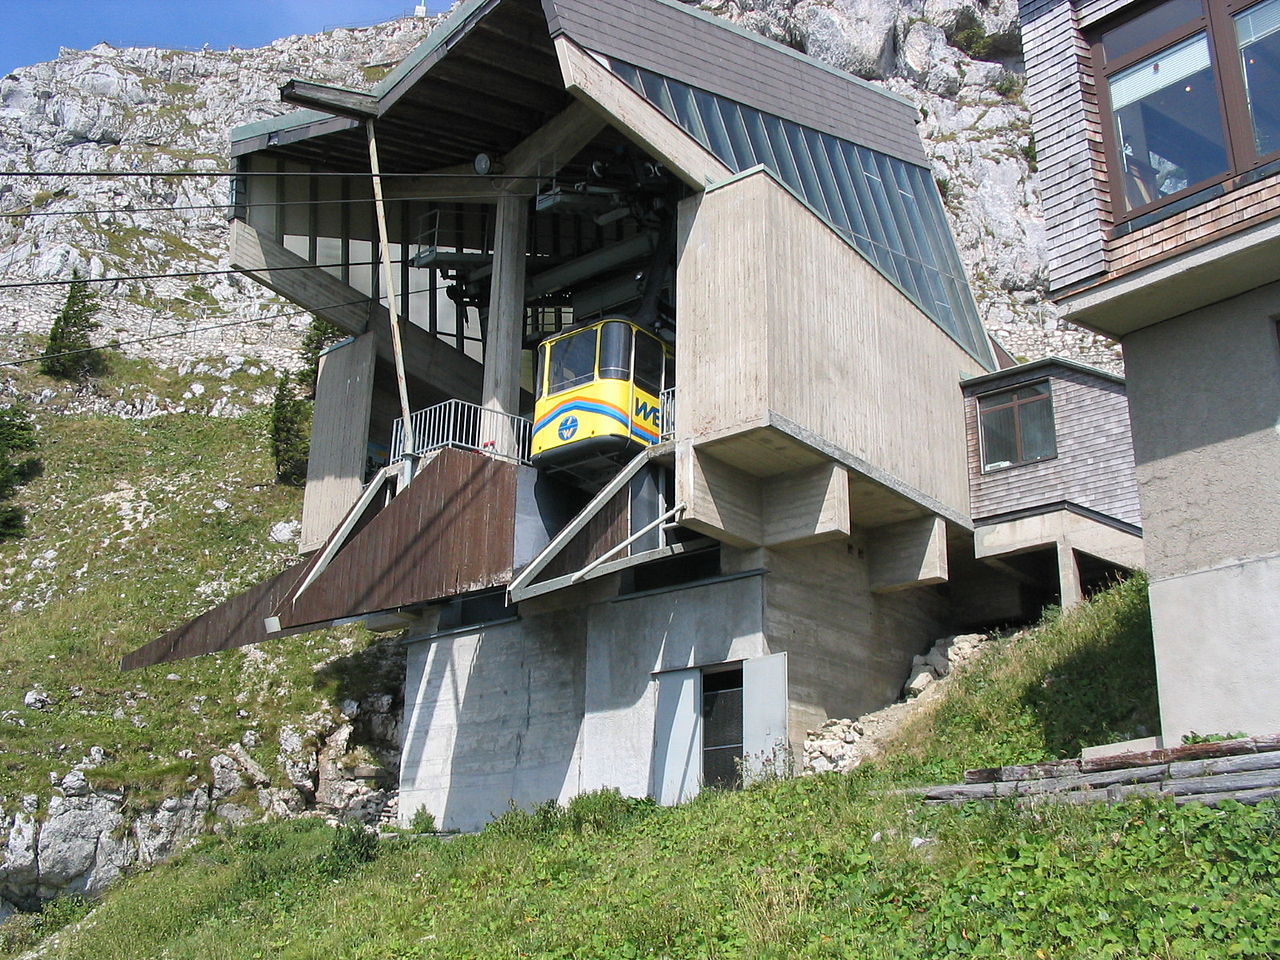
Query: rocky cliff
{"type": "Point", "coordinates": [132, 111]}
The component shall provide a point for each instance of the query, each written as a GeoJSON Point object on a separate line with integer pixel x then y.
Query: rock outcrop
{"type": "Point", "coordinates": [129, 111]}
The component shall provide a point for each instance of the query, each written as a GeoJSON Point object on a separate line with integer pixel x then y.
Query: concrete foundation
{"type": "Point", "coordinates": [1217, 643]}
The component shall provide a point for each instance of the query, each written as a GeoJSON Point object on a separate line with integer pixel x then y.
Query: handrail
{"type": "Point", "coordinates": [671, 514]}
{"type": "Point", "coordinates": [467, 426]}
{"type": "Point", "coordinates": [667, 404]}
{"type": "Point", "coordinates": [607, 493]}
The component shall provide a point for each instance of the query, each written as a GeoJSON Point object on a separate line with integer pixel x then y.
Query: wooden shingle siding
{"type": "Point", "coordinates": [717, 58]}
{"type": "Point", "coordinates": [1068, 140]}
{"type": "Point", "coordinates": [1201, 224]}
{"type": "Point", "coordinates": [1094, 466]}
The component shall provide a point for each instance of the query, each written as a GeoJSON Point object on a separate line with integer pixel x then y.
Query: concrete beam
{"type": "Point", "coordinates": [912, 553]}
{"type": "Point", "coordinates": [635, 118]}
{"type": "Point", "coordinates": [720, 501]}
{"type": "Point", "coordinates": [427, 358]}
{"type": "Point", "coordinates": [339, 438]}
{"type": "Point", "coordinates": [805, 506]}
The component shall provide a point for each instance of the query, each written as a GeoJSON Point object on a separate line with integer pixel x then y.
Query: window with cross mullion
{"type": "Point", "coordinates": [1192, 93]}
{"type": "Point", "coordinates": [1016, 426]}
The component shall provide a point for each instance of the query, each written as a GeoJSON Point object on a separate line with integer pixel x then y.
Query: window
{"type": "Point", "coordinates": [615, 351]}
{"type": "Point", "coordinates": [649, 364]}
{"type": "Point", "coordinates": [722, 728]}
{"type": "Point", "coordinates": [572, 361]}
{"type": "Point", "coordinates": [1193, 92]}
{"type": "Point", "coordinates": [1016, 426]}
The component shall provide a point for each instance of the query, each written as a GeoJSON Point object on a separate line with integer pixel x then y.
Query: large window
{"type": "Point", "coordinates": [1016, 426]}
{"type": "Point", "coordinates": [1193, 92]}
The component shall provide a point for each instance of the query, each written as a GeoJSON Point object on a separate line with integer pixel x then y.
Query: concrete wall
{"type": "Point", "coordinates": [1204, 394]}
{"type": "Point", "coordinates": [1217, 644]}
{"type": "Point", "coordinates": [557, 703]}
{"type": "Point", "coordinates": [850, 650]}
{"type": "Point", "coordinates": [781, 318]}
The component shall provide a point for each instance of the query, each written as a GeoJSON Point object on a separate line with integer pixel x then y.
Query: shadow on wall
{"type": "Point", "coordinates": [496, 720]}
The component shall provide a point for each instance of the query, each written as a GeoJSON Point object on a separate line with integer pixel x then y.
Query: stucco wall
{"type": "Point", "coordinates": [1204, 398]}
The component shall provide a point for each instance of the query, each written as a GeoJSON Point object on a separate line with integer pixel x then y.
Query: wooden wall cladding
{"type": "Point", "coordinates": [450, 533]}
{"type": "Point", "coordinates": [608, 528]}
{"type": "Point", "coordinates": [235, 623]}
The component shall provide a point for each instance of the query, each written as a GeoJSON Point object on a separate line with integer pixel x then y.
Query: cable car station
{"type": "Point", "coordinates": [648, 430]}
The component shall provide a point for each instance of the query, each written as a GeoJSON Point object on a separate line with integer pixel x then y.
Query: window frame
{"type": "Point", "coordinates": [1016, 405]}
{"type": "Point", "coordinates": [1218, 24]}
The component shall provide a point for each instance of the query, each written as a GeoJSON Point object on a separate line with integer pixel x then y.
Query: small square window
{"type": "Point", "coordinates": [1016, 426]}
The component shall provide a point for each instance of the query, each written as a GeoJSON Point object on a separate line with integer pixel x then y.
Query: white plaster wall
{"type": "Point", "coordinates": [1218, 643]}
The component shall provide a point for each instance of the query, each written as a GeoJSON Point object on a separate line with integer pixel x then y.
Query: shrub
{"type": "Point", "coordinates": [352, 847]}
{"type": "Point", "coordinates": [422, 821]}
{"type": "Point", "coordinates": [69, 355]}
{"type": "Point", "coordinates": [290, 433]}
{"type": "Point", "coordinates": [319, 335]}
{"type": "Point", "coordinates": [1009, 85]}
{"type": "Point", "coordinates": [17, 436]}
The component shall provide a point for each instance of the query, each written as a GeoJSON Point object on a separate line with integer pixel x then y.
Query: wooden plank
{"type": "Point", "coordinates": [1256, 795]}
{"type": "Point", "coordinates": [1226, 782]}
{"type": "Point", "coordinates": [335, 100]}
{"type": "Point", "coordinates": [449, 533]}
{"type": "Point", "coordinates": [235, 623]}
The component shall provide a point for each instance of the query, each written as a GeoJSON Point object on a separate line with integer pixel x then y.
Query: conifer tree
{"type": "Point", "coordinates": [290, 432]}
{"type": "Point", "coordinates": [70, 354]}
{"type": "Point", "coordinates": [17, 436]}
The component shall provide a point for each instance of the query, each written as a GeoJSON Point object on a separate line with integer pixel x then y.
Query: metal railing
{"type": "Point", "coordinates": [467, 426]}
{"type": "Point", "coordinates": [667, 400]}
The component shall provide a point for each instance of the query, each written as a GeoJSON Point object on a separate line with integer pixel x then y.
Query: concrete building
{"type": "Point", "coordinates": [1158, 143]}
{"type": "Point", "coordinates": [649, 429]}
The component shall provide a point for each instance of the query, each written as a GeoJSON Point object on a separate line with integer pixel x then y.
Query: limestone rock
{"type": "Point", "coordinates": [919, 681]}
{"type": "Point", "coordinates": [82, 846]}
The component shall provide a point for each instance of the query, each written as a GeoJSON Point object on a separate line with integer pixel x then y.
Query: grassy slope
{"type": "Point", "coordinates": [128, 508]}
{"type": "Point", "coordinates": [821, 867]}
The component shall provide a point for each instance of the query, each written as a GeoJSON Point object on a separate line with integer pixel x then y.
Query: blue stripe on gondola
{"type": "Point", "coordinates": [644, 434]}
{"type": "Point", "coordinates": [609, 412]}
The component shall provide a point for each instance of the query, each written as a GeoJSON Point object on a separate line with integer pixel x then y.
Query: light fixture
{"type": "Point", "coordinates": [487, 166]}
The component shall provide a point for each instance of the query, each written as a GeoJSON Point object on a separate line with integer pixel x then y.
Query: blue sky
{"type": "Point", "coordinates": [32, 30]}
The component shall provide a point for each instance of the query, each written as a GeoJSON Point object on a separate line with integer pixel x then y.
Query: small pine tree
{"type": "Point", "coordinates": [319, 335]}
{"type": "Point", "coordinates": [290, 433]}
{"type": "Point", "coordinates": [17, 436]}
{"type": "Point", "coordinates": [70, 355]}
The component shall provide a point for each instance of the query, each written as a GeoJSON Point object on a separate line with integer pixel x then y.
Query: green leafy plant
{"type": "Point", "coordinates": [319, 336]}
{"type": "Point", "coordinates": [422, 821]}
{"type": "Point", "coordinates": [1009, 85]}
{"type": "Point", "coordinates": [69, 354]}
{"type": "Point", "coordinates": [1194, 737]}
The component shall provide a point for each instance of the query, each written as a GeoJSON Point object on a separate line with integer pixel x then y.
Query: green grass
{"type": "Point", "coordinates": [139, 546]}
{"type": "Point", "coordinates": [820, 867]}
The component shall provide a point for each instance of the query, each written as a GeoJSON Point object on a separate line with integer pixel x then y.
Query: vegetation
{"type": "Point", "coordinates": [830, 866]}
{"type": "Point", "coordinates": [17, 437]}
{"type": "Point", "coordinates": [290, 432]}
{"type": "Point", "coordinates": [69, 353]}
{"type": "Point", "coordinates": [319, 336]}
{"type": "Point", "coordinates": [133, 527]}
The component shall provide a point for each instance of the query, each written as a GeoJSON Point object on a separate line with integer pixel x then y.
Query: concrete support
{"type": "Point", "coordinates": [339, 438]}
{"type": "Point", "coordinates": [721, 501]}
{"type": "Point", "coordinates": [912, 553]}
{"type": "Point", "coordinates": [505, 333]}
{"type": "Point", "coordinates": [805, 506]}
{"type": "Point", "coordinates": [501, 389]}
{"type": "Point", "coordinates": [1068, 577]}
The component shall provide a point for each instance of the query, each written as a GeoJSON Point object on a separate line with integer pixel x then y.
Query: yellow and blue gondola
{"type": "Point", "coordinates": [598, 394]}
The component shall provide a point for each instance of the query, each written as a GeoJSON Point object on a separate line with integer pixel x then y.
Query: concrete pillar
{"type": "Point", "coordinates": [501, 391]}
{"type": "Point", "coordinates": [1069, 577]}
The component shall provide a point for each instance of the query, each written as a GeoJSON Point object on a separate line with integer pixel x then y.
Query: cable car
{"type": "Point", "coordinates": [597, 397]}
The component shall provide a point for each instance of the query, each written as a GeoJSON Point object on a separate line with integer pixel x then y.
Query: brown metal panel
{"type": "Point", "coordinates": [449, 533]}
{"type": "Point", "coordinates": [608, 528]}
{"type": "Point", "coordinates": [235, 623]}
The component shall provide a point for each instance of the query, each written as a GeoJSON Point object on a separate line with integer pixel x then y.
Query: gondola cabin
{"type": "Point", "coordinates": [598, 397]}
